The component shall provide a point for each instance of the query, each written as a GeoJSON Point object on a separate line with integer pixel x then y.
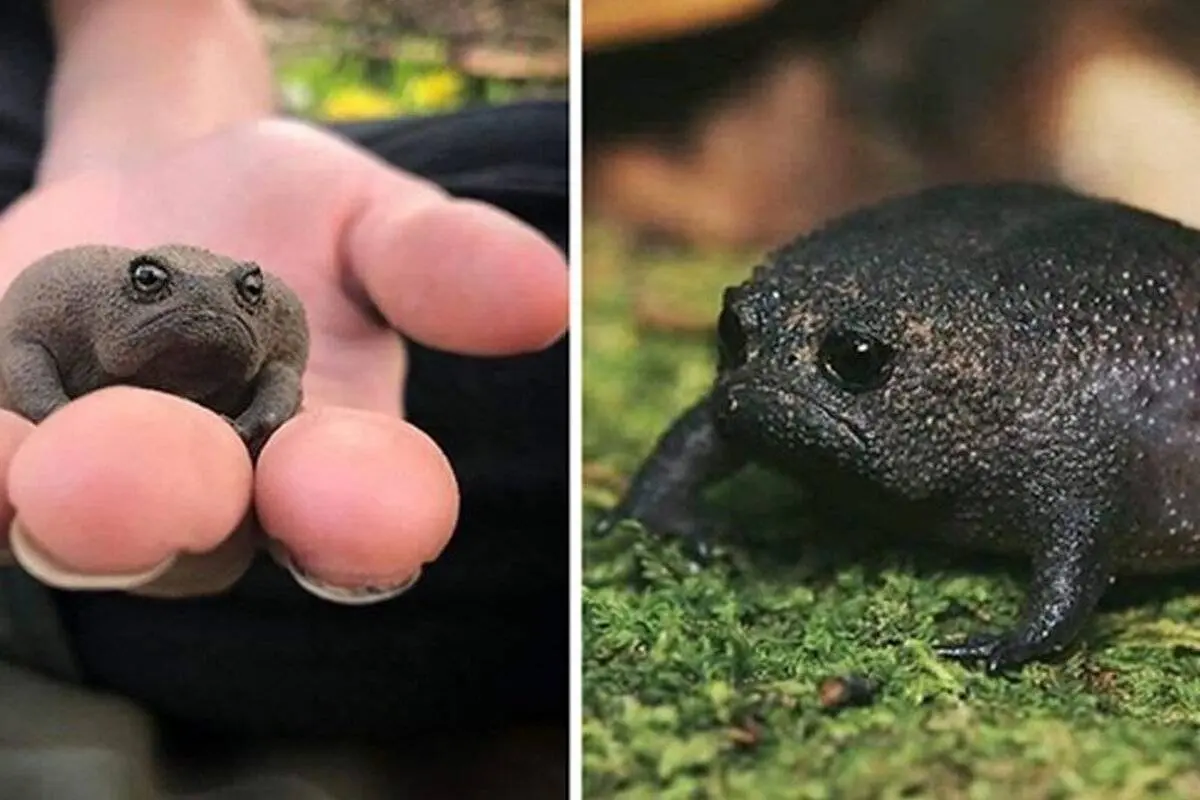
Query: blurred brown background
{"type": "Point", "coordinates": [745, 122]}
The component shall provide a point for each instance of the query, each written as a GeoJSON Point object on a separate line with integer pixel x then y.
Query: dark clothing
{"type": "Point", "coordinates": [483, 637]}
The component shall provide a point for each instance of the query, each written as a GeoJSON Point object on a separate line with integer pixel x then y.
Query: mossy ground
{"type": "Point", "coordinates": [702, 684]}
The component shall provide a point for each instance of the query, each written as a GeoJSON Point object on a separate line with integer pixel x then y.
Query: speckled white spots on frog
{"type": "Point", "coordinates": [1054, 352]}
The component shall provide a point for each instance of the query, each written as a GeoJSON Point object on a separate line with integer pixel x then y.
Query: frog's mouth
{"type": "Point", "coordinates": [783, 419]}
{"type": "Point", "coordinates": [180, 317]}
{"type": "Point", "coordinates": [839, 421]}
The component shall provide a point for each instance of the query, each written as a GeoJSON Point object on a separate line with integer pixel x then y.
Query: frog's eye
{"type": "Point", "coordinates": [251, 286]}
{"type": "Point", "coordinates": [855, 361]}
{"type": "Point", "coordinates": [731, 340]}
{"type": "Point", "coordinates": [148, 277]}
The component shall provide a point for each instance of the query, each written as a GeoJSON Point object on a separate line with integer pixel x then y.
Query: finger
{"type": "Point", "coordinates": [119, 482]}
{"type": "Point", "coordinates": [13, 430]}
{"type": "Point", "coordinates": [460, 275]}
{"type": "Point", "coordinates": [356, 498]}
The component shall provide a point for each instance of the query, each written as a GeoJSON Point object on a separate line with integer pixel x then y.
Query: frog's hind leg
{"type": "Point", "coordinates": [664, 494]}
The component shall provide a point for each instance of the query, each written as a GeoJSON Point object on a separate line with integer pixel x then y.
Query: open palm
{"type": "Point", "coordinates": [113, 487]}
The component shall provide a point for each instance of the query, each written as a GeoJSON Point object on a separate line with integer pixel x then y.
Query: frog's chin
{"type": "Point", "coordinates": [193, 343]}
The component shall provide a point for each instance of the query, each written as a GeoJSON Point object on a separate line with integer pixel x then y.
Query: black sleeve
{"type": "Point", "coordinates": [26, 59]}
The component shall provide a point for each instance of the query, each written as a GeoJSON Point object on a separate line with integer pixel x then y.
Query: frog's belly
{"type": "Point", "coordinates": [1162, 535]}
{"type": "Point", "coordinates": [1164, 495]}
{"type": "Point", "coordinates": [220, 386]}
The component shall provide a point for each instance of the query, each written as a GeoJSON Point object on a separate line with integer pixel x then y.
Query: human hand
{"type": "Point", "coordinates": [112, 488]}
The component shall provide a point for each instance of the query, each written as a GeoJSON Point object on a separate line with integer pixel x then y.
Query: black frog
{"type": "Point", "coordinates": [1010, 367]}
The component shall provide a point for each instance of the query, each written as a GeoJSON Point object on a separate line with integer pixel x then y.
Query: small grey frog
{"type": "Point", "coordinates": [180, 319]}
{"type": "Point", "coordinates": [1010, 367]}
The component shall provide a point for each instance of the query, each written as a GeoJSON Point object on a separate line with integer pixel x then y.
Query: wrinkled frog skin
{"type": "Point", "coordinates": [179, 319]}
{"type": "Point", "coordinates": [1009, 367]}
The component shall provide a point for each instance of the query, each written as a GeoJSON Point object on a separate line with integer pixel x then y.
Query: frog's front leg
{"type": "Point", "coordinates": [32, 385]}
{"type": "Point", "coordinates": [664, 494]}
{"type": "Point", "coordinates": [277, 396]}
{"type": "Point", "coordinates": [1072, 568]}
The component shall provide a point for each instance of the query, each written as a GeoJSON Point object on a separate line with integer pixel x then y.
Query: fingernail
{"type": "Point", "coordinates": [43, 566]}
{"type": "Point", "coordinates": [360, 595]}
{"type": "Point", "coordinates": [205, 574]}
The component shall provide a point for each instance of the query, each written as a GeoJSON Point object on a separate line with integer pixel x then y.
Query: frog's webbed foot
{"type": "Point", "coordinates": [258, 424]}
{"type": "Point", "coordinates": [251, 435]}
{"type": "Point", "coordinates": [664, 494]}
{"type": "Point", "coordinates": [37, 413]}
{"type": "Point", "coordinates": [696, 534]}
{"type": "Point", "coordinates": [32, 385]}
{"type": "Point", "coordinates": [254, 431]}
{"type": "Point", "coordinates": [277, 398]}
{"type": "Point", "coordinates": [1070, 573]}
{"type": "Point", "coordinates": [1000, 651]}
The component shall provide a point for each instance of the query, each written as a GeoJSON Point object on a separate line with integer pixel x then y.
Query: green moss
{"type": "Point", "coordinates": [705, 683]}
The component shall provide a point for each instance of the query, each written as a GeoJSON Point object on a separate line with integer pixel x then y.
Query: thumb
{"type": "Point", "coordinates": [457, 275]}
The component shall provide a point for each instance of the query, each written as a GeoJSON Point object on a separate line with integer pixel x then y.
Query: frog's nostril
{"type": "Point", "coordinates": [727, 401]}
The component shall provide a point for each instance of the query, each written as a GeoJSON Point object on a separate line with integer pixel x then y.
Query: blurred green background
{"type": "Point", "coordinates": [353, 60]}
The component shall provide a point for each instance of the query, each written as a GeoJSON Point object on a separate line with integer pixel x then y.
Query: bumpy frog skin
{"type": "Point", "coordinates": [179, 319]}
{"type": "Point", "coordinates": [1008, 367]}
